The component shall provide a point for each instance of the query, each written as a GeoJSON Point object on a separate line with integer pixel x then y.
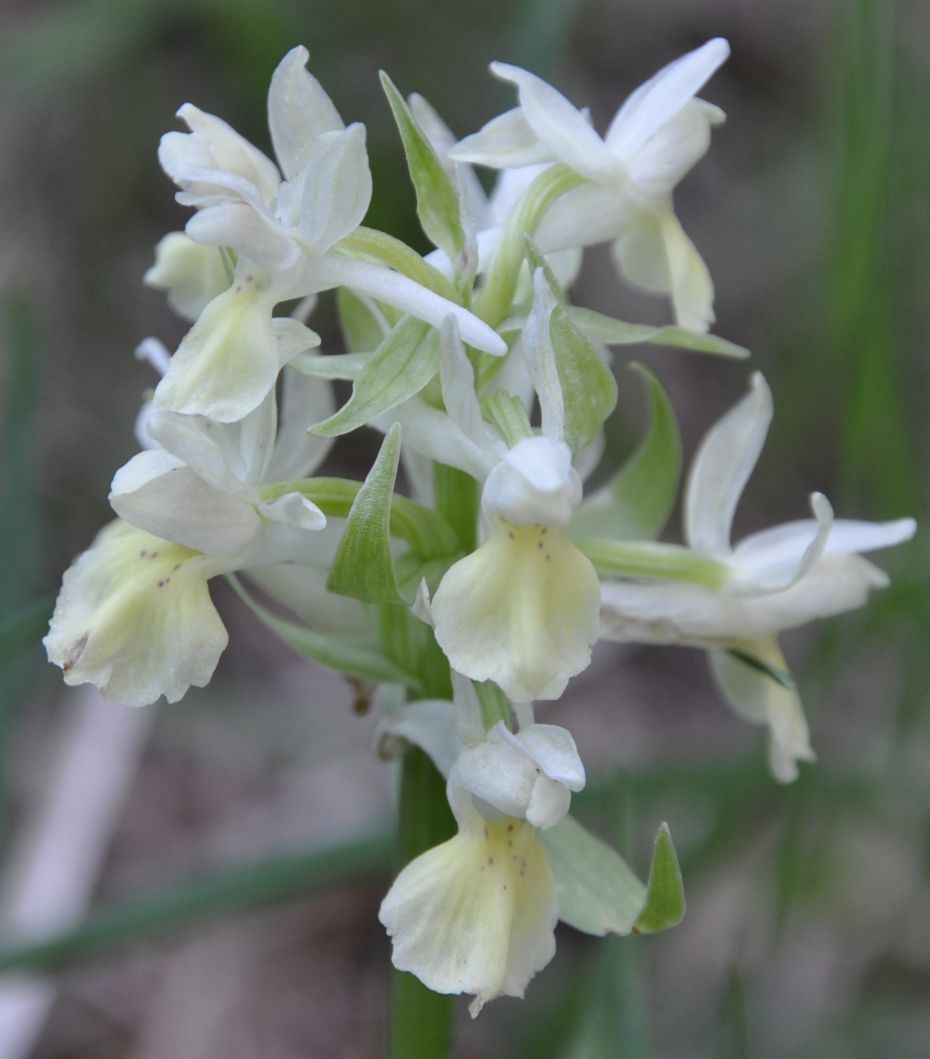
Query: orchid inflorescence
{"type": "Point", "coordinates": [484, 590]}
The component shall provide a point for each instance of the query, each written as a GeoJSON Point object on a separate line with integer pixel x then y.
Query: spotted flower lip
{"type": "Point", "coordinates": [134, 615]}
{"type": "Point", "coordinates": [658, 134]}
{"type": "Point", "coordinates": [477, 914]}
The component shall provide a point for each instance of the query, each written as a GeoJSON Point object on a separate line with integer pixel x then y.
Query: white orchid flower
{"type": "Point", "coordinates": [134, 615]}
{"type": "Point", "coordinates": [477, 914]}
{"type": "Point", "coordinates": [773, 580]}
{"type": "Point", "coordinates": [287, 234]}
{"type": "Point", "coordinates": [658, 134]}
{"type": "Point", "coordinates": [529, 773]}
{"type": "Point", "coordinates": [521, 610]}
{"type": "Point", "coordinates": [191, 275]}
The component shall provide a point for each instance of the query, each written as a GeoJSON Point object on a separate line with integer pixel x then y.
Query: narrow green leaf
{"type": "Point", "coordinates": [665, 896]}
{"type": "Point", "coordinates": [363, 566]}
{"type": "Point", "coordinates": [597, 890]}
{"type": "Point", "coordinates": [601, 328]}
{"type": "Point", "coordinates": [359, 321]}
{"type": "Point", "coordinates": [437, 201]}
{"type": "Point", "coordinates": [589, 390]}
{"type": "Point", "coordinates": [636, 503]}
{"type": "Point", "coordinates": [425, 530]}
{"type": "Point", "coordinates": [404, 362]}
{"type": "Point", "coordinates": [354, 657]}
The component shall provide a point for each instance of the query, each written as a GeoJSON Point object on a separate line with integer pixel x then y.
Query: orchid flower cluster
{"type": "Point", "coordinates": [483, 589]}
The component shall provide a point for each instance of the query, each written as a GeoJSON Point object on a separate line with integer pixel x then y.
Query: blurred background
{"type": "Point", "coordinates": [201, 881]}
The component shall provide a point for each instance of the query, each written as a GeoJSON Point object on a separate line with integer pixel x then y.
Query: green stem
{"type": "Point", "coordinates": [421, 1020]}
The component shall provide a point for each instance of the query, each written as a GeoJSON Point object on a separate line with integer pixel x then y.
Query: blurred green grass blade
{"type": "Point", "coordinates": [877, 455]}
{"type": "Point", "coordinates": [196, 903]}
{"type": "Point", "coordinates": [22, 630]}
{"type": "Point", "coordinates": [43, 53]}
{"type": "Point", "coordinates": [613, 1019]}
{"type": "Point", "coordinates": [18, 436]}
{"type": "Point", "coordinates": [21, 617]}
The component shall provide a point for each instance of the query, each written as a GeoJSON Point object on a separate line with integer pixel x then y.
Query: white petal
{"type": "Point", "coordinates": [588, 215]}
{"type": "Point", "coordinates": [335, 188]}
{"type": "Point", "coordinates": [522, 611]}
{"type": "Point", "coordinates": [506, 142]}
{"type": "Point", "coordinates": [534, 484]}
{"type": "Point", "coordinates": [422, 606]}
{"type": "Point", "coordinates": [192, 275]}
{"type": "Point", "coordinates": [429, 724]}
{"type": "Point", "coordinates": [849, 535]}
{"type": "Point", "coordinates": [540, 358]}
{"type": "Point", "coordinates": [298, 111]}
{"type": "Point", "coordinates": [294, 509]}
{"type": "Point", "coordinates": [436, 436]}
{"type": "Point", "coordinates": [722, 467]}
{"type": "Point", "coordinates": [553, 749]}
{"type": "Point", "coordinates": [673, 149]}
{"type": "Point", "coordinates": [457, 378]}
{"type": "Point", "coordinates": [687, 614]}
{"type": "Point", "coordinates": [297, 453]}
{"type": "Point", "coordinates": [230, 152]}
{"type": "Point", "coordinates": [228, 362]}
{"type": "Point", "coordinates": [156, 493]}
{"type": "Point", "coordinates": [663, 96]}
{"type": "Point", "coordinates": [559, 125]}
{"type": "Point", "coordinates": [500, 774]}
{"type": "Point", "coordinates": [775, 560]}
{"type": "Point", "coordinates": [210, 449]}
{"type": "Point", "coordinates": [476, 914]}
{"type": "Point", "coordinates": [692, 289]}
{"type": "Point", "coordinates": [469, 721]}
{"type": "Point", "coordinates": [761, 700]}
{"type": "Point", "coordinates": [135, 618]}
{"type": "Point", "coordinates": [549, 804]}
{"type": "Point", "coordinates": [403, 293]}
{"type": "Point", "coordinates": [252, 234]}
{"type": "Point", "coordinates": [292, 338]}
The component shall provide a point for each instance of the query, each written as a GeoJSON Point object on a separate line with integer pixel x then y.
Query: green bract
{"type": "Point", "coordinates": [438, 204]}
{"type": "Point", "coordinates": [636, 502]}
{"type": "Point", "coordinates": [363, 566]}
